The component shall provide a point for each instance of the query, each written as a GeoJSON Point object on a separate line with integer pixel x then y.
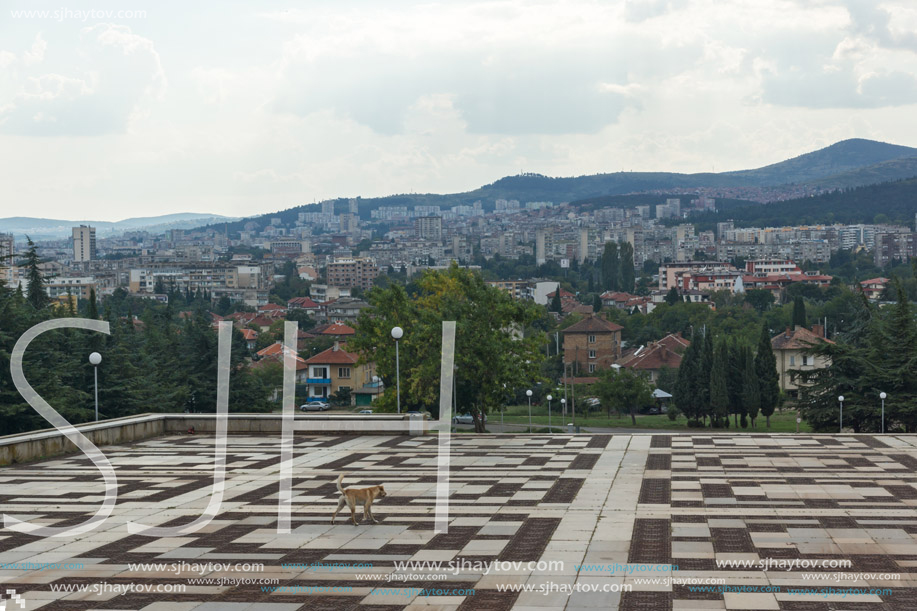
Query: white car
{"type": "Point", "coordinates": [366, 411]}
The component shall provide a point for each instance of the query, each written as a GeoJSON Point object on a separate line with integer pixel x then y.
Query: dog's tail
{"type": "Point", "coordinates": [341, 479]}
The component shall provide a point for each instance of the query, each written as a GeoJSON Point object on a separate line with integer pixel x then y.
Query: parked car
{"type": "Point", "coordinates": [315, 406]}
{"type": "Point", "coordinates": [466, 419]}
{"type": "Point", "coordinates": [366, 411]}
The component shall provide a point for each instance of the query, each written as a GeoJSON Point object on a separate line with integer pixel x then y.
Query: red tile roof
{"type": "Point", "coordinates": [675, 342]}
{"type": "Point", "coordinates": [249, 334]}
{"type": "Point", "coordinates": [653, 357]}
{"type": "Point", "coordinates": [799, 338]}
{"type": "Point", "coordinates": [592, 324]}
{"type": "Point", "coordinates": [334, 329]}
{"type": "Point", "coordinates": [270, 307]}
{"type": "Point", "coordinates": [302, 302]}
{"type": "Point", "coordinates": [333, 356]}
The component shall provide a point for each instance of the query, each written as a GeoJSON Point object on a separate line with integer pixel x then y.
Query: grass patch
{"type": "Point", "coordinates": [781, 421]}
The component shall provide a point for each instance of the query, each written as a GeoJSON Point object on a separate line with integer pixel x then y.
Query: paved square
{"type": "Point", "coordinates": [623, 506]}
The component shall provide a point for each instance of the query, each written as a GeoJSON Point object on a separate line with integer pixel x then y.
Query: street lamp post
{"type": "Point", "coordinates": [840, 400]}
{"type": "Point", "coordinates": [94, 359]}
{"type": "Point", "coordinates": [882, 396]}
{"type": "Point", "coordinates": [549, 397]}
{"type": "Point", "coordinates": [528, 394]}
{"type": "Point", "coordinates": [397, 332]}
{"type": "Point", "coordinates": [563, 408]}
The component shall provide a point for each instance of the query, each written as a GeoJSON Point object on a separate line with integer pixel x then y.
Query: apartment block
{"type": "Point", "coordinates": [359, 272]}
{"type": "Point", "coordinates": [84, 243]}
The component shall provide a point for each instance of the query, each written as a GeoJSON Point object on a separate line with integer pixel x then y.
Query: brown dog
{"type": "Point", "coordinates": [351, 496]}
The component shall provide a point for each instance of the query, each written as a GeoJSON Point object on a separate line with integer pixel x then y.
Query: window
{"type": "Point", "coordinates": [343, 372]}
{"type": "Point", "coordinates": [592, 339]}
{"type": "Point", "coordinates": [592, 354]}
{"type": "Point", "coordinates": [591, 367]}
{"type": "Point", "coordinates": [792, 361]}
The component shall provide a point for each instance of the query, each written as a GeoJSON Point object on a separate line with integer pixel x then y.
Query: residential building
{"type": "Point", "coordinates": [333, 370]}
{"type": "Point", "coordinates": [874, 287]}
{"type": "Point", "coordinates": [428, 227]}
{"type": "Point", "coordinates": [359, 272]}
{"type": "Point", "coordinates": [84, 243]}
{"type": "Point", "coordinates": [517, 289]}
{"type": "Point", "coordinates": [790, 349]}
{"type": "Point", "coordinates": [894, 246]}
{"type": "Point", "coordinates": [7, 248]}
{"type": "Point", "coordinates": [591, 345]}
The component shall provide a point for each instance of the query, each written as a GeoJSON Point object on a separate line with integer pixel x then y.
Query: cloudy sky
{"type": "Point", "coordinates": [143, 108]}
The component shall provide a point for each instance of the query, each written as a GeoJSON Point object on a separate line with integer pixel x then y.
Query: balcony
{"type": "Point", "coordinates": [318, 380]}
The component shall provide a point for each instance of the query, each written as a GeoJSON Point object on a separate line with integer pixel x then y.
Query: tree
{"type": "Point", "coordinates": [556, 304]}
{"type": "Point", "coordinates": [490, 351]}
{"type": "Point", "coordinates": [751, 398]}
{"type": "Point", "coordinates": [768, 378]}
{"type": "Point", "coordinates": [799, 312]}
{"type": "Point", "coordinates": [623, 387]}
{"type": "Point", "coordinates": [92, 309]}
{"type": "Point", "coordinates": [596, 303]}
{"type": "Point", "coordinates": [759, 299]}
{"type": "Point", "coordinates": [611, 267]}
{"type": "Point", "coordinates": [672, 297]}
{"type": "Point", "coordinates": [36, 295]}
{"type": "Point", "coordinates": [705, 368]}
{"type": "Point", "coordinates": [686, 391]}
{"type": "Point", "coordinates": [719, 392]}
{"type": "Point", "coordinates": [627, 267]}
{"type": "Point", "coordinates": [734, 380]}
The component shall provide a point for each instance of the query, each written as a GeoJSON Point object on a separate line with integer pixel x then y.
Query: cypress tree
{"type": "Point", "coordinates": [735, 376]}
{"type": "Point", "coordinates": [768, 379]}
{"type": "Point", "coordinates": [799, 312]}
{"type": "Point", "coordinates": [611, 267]}
{"type": "Point", "coordinates": [704, 369]}
{"type": "Point", "coordinates": [751, 397]}
{"type": "Point", "coordinates": [719, 393]}
{"type": "Point", "coordinates": [627, 267]}
{"type": "Point", "coordinates": [556, 305]}
{"type": "Point", "coordinates": [92, 311]}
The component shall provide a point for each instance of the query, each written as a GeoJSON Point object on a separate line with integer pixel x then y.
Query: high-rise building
{"type": "Point", "coordinates": [428, 227]}
{"type": "Point", "coordinates": [84, 243]}
{"type": "Point", "coordinates": [7, 247]}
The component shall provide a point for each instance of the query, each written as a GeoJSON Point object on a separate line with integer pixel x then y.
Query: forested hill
{"type": "Point", "coordinates": [894, 202]}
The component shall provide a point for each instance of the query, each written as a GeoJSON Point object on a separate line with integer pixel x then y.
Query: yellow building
{"type": "Point", "coordinates": [790, 350]}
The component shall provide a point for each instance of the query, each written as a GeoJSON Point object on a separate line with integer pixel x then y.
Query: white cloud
{"type": "Point", "coordinates": [265, 107]}
{"type": "Point", "coordinates": [36, 54]}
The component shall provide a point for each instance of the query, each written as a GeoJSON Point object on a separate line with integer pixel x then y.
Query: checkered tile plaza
{"type": "Point", "coordinates": [685, 500]}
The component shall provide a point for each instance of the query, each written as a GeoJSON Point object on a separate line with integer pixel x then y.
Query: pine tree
{"type": "Point", "coordinates": [37, 296]}
{"type": "Point", "coordinates": [751, 397]}
{"type": "Point", "coordinates": [596, 303]}
{"type": "Point", "coordinates": [768, 378]}
{"type": "Point", "coordinates": [799, 312]}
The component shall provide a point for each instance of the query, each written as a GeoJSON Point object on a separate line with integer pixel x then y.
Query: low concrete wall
{"type": "Point", "coordinates": [27, 447]}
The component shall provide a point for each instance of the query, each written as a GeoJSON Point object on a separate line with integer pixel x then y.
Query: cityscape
{"type": "Point", "coordinates": [480, 305]}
